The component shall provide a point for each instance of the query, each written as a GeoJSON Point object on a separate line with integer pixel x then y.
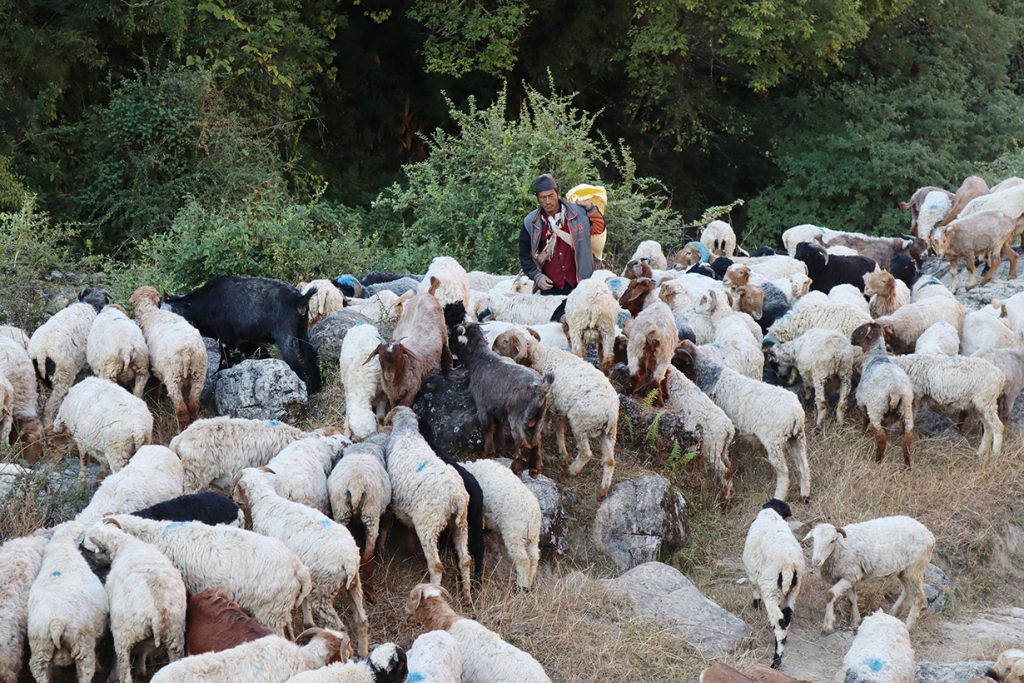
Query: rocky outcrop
{"type": "Point", "coordinates": [446, 404]}
{"type": "Point", "coordinates": [640, 519]}
{"type": "Point", "coordinates": [261, 390]}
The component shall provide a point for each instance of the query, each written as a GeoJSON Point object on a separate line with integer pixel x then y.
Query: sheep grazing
{"type": "Point", "coordinates": [905, 325]}
{"type": "Point", "coordinates": [486, 657]}
{"type": "Point", "coordinates": [837, 316]}
{"type": "Point", "coordinates": [774, 562]}
{"type": "Point", "coordinates": [1011, 363]}
{"type": "Point", "coordinates": [67, 608]}
{"type": "Point", "coordinates": [551, 334]}
{"type": "Point", "coordinates": [215, 449]}
{"type": "Point", "coordinates": [983, 331]}
{"type": "Point", "coordinates": [884, 388]}
{"type": "Point", "coordinates": [880, 652]}
{"type": "Point", "coordinates": [324, 546]}
{"type": "Point", "coordinates": [691, 254]}
{"type": "Point", "coordinates": [434, 656]}
{"type": "Point", "coordinates": [386, 664]}
{"type": "Point", "coordinates": [16, 369]}
{"type": "Point", "coordinates": [426, 494]}
{"type": "Point", "coordinates": [325, 299]}
{"type": "Point", "coordinates": [259, 573]}
{"type": "Point", "coordinates": [521, 309]}
{"type": "Point", "coordinates": [771, 414]}
{"type": "Point", "coordinates": [57, 350]}
{"type": "Point", "coordinates": [147, 599]}
{"type": "Point", "coordinates": [107, 422]}
{"type": "Point", "coordinates": [452, 284]}
{"type": "Point", "coordinates": [20, 559]}
{"type": "Point", "coordinates": [177, 353]}
{"type": "Point", "coordinates": [214, 623]}
{"type": "Point", "coordinates": [207, 507]}
{"type": "Point", "coordinates": [270, 658]}
{"type": "Point", "coordinates": [15, 334]}
{"type": "Point", "coordinates": [650, 251]}
{"type": "Point", "coordinates": [365, 401]}
{"type": "Point", "coordinates": [849, 294]}
{"type": "Point", "coordinates": [505, 393]}
{"type": "Point", "coordinates": [818, 356]}
{"type": "Point", "coordinates": [302, 468]}
{"type": "Point", "coordinates": [918, 200]}
{"type": "Point", "coordinates": [719, 238]}
{"type": "Point", "coordinates": [826, 271]}
{"type": "Point", "coordinates": [359, 486]}
{"type": "Point", "coordinates": [764, 303]}
{"type": "Point", "coordinates": [152, 475]}
{"type": "Point", "coordinates": [886, 292]}
{"type": "Point", "coordinates": [419, 346]}
{"type": "Point", "coordinates": [590, 312]}
{"type": "Point", "coordinates": [652, 341]}
{"type": "Point", "coordinates": [980, 235]}
{"type": "Point", "coordinates": [116, 349]}
{"type": "Point", "coordinates": [254, 310]}
{"type": "Point", "coordinates": [888, 546]}
{"type": "Point", "coordinates": [580, 395]}
{"type": "Point", "coordinates": [638, 295]}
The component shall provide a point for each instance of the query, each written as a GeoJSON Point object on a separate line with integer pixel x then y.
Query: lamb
{"type": "Point", "coordinates": [818, 356]}
{"type": "Point", "coordinates": [486, 657]}
{"type": "Point", "coordinates": [590, 312]}
{"type": "Point", "coordinates": [177, 353]}
{"type": "Point", "coordinates": [719, 238]}
{"type": "Point", "coordinates": [918, 200]}
{"type": "Point", "coordinates": [960, 383]}
{"type": "Point", "coordinates": [116, 349]}
{"type": "Point", "coordinates": [979, 235]}
{"type": "Point", "coordinates": [208, 507]}
{"type": "Point", "coordinates": [652, 341]}
{"type": "Point", "coordinates": [880, 652]}
{"type": "Point", "coordinates": [57, 350]}
{"type": "Point", "coordinates": [774, 562]}
{"type": "Point", "coordinates": [259, 573]}
{"type": "Point", "coordinates": [325, 547]}
{"type": "Point", "coordinates": [827, 271]}
{"type": "Point", "coordinates": [505, 393]}
{"type": "Point", "coordinates": [877, 548]}
{"type": "Point", "coordinates": [884, 388]}
{"type": "Point", "coordinates": [771, 414]}
{"type": "Point", "coordinates": [15, 334]}
{"type": "Point", "coordinates": [650, 251]}
{"type": "Point", "coordinates": [522, 309]}
{"type": "Point", "coordinates": [426, 494]}
{"type": "Point", "coordinates": [1011, 363]}
{"type": "Point", "coordinates": [434, 656]}
{"type": "Point", "coordinates": [270, 658]}
{"type": "Point", "coordinates": [886, 292]}
{"type": "Point", "coordinates": [67, 608]}
{"type": "Point", "coordinates": [302, 468]}
{"type": "Point", "coordinates": [326, 298]}
{"type": "Point", "coordinates": [829, 315]}
{"type": "Point", "coordinates": [359, 486]}
{"type": "Point", "coordinates": [214, 623]}
{"type": "Point", "coordinates": [386, 664]}
{"type": "Point", "coordinates": [971, 188]}
{"type": "Point", "coordinates": [849, 294]}
{"type": "Point", "coordinates": [146, 596]}
{"type": "Point", "coordinates": [454, 283]}
{"type": "Point", "coordinates": [365, 400]}
{"type": "Point", "coordinates": [983, 331]}
{"type": "Point", "coordinates": [153, 475]}
{"type": "Point", "coordinates": [513, 510]}
{"type": "Point", "coordinates": [16, 369]}
{"type": "Point", "coordinates": [214, 450]}
{"type": "Point", "coordinates": [20, 559]}
{"type": "Point", "coordinates": [906, 324]}
{"type": "Point", "coordinates": [107, 423]}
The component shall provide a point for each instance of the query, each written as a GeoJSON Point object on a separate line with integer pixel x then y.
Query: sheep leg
{"type": "Point", "coordinates": [85, 665]}
{"type": "Point", "coordinates": [777, 457]}
{"type": "Point", "coordinates": [881, 441]}
{"type": "Point", "coordinates": [583, 452]}
{"type": "Point", "coordinates": [915, 587]}
{"type": "Point", "coordinates": [820, 402]}
{"type": "Point", "coordinates": [5, 429]}
{"type": "Point", "coordinates": [797, 446]}
{"type": "Point", "coordinates": [606, 350]}
{"type": "Point", "coordinates": [854, 608]}
{"type": "Point", "coordinates": [994, 261]}
{"type": "Point", "coordinates": [428, 541]}
{"type": "Point", "coordinates": [372, 531]}
{"type": "Point", "coordinates": [446, 359]}
{"type": "Point", "coordinates": [560, 440]}
{"type": "Point", "coordinates": [141, 377]}
{"type": "Point", "coordinates": [897, 606]}
{"type": "Point", "coordinates": [123, 665]}
{"type": "Point", "coordinates": [756, 599]}
{"type": "Point", "coordinates": [954, 267]}
{"type": "Point", "coordinates": [993, 433]}
{"type": "Point", "coordinates": [180, 409]}
{"type": "Point", "coordinates": [607, 460]}
{"type": "Point", "coordinates": [844, 394]}
{"type": "Point", "coordinates": [970, 274]}
{"type": "Point", "coordinates": [779, 623]}
{"type": "Point", "coordinates": [461, 540]}
{"type": "Point", "coordinates": [1012, 256]}
{"type": "Point", "coordinates": [61, 383]}
{"type": "Point", "coordinates": [834, 593]}
{"type": "Point", "coordinates": [362, 630]}
{"type": "Point", "coordinates": [908, 430]}
{"type": "Point", "coordinates": [39, 663]}
{"type": "Point", "coordinates": [533, 555]}
{"type": "Point", "coordinates": [195, 382]}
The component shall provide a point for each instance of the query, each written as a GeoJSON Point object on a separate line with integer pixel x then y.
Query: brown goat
{"type": "Point", "coordinates": [214, 623]}
{"type": "Point", "coordinates": [635, 296]}
{"type": "Point", "coordinates": [638, 268]}
{"type": "Point", "coordinates": [971, 188]}
{"type": "Point", "coordinates": [736, 275]}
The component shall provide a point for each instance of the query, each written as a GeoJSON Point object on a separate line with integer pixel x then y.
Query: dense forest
{"type": "Point", "coordinates": [169, 141]}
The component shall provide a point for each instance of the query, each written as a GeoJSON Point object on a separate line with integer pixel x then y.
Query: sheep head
{"type": "Point", "coordinates": [814, 255]}
{"type": "Point", "coordinates": [31, 433]}
{"type": "Point", "coordinates": [638, 268]}
{"type": "Point", "coordinates": [95, 297]}
{"type": "Point", "coordinates": [145, 296]}
{"type": "Point", "coordinates": [779, 506]}
{"type": "Point", "coordinates": [824, 538]}
{"type": "Point", "coordinates": [880, 282]}
{"type": "Point", "coordinates": [392, 357]}
{"type": "Point", "coordinates": [737, 275]}
{"type": "Point", "coordinates": [429, 605]}
{"type": "Point", "coordinates": [388, 662]}
{"type": "Point", "coordinates": [516, 344]}
{"type": "Point", "coordinates": [330, 646]}
{"type": "Point", "coordinates": [633, 298]}
{"type": "Point", "coordinates": [750, 299]}
{"type": "Point", "coordinates": [685, 359]}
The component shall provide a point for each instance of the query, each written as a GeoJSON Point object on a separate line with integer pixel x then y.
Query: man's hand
{"type": "Point", "coordinates": [586, 204]}
{"type": "Point", "coordinates": [543, 282]}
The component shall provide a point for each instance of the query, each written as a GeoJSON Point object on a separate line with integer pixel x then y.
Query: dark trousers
{"type": "Point", "coordinates": [558, 291]}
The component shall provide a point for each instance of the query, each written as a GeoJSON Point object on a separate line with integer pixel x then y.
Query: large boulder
{"type": "Point", "coordinates": [956, 672]}
{"type": "Point", "coordinates": [212, 367]}
{"type": "Point", "coordinates": [328, 334]}
{"type": "Point", "coordinates": [937, 585]}
{"type": "Point", "coordinates": [553, 529]}
{"type": "Point", "coordinates": [262, 390]}
{"type": "Point", "coordinates": [664, 595]}
{"type": "Point", "coordinates": [639, 519]}
{"type": "Point", "coordinates": [446, 404]}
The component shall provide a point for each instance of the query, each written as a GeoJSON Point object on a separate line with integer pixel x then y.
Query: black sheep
{"type": "Point", "coordinates": [208, 508]}
{"type": "Point", "coordinates": [246, 311]}
{"type": "Point", "coordinates": [828, 270]}
{"type": "Point", "coordinates": [703, 269]}
{"type": "Point", "coordinates": [720, 265]}
{"type": "Point", "coordinates": [904, 268]}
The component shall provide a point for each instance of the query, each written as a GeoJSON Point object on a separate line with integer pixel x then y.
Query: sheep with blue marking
{"type": "Point", "coordinates": [434, 658]}
{"type": "Point", "coordinates": [880, 652]}
{"type": "Point", "coordinates": [302, 468]}
{"type": "Point", "coordinates": [20, 559]}
{"type": "Point", "coordinates": [359, 486]}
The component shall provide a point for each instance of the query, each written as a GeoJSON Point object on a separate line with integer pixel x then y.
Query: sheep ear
{"type": "Point", "coordinates": [841, 531]}
{"type": "Point", "coordinates": [372, 354]}
{"type": "Point", "coordinates": [434, 284]}
{"type": "Point", "coordinates": [307, 635]}
{"type": "Point", "coordinates": [536, 335]}
{"type": "Point", "coordinates": [519, 349]}
{"type": "Point", "coordinates": [267, 470]}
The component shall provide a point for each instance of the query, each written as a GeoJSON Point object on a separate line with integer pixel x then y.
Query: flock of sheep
{"type": "Point", "coordinates": [184, 575]}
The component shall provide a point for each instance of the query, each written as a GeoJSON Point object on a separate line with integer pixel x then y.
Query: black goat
{"type": "Point", "coordinates": [828, 270]}
{"type": "Point", "coordinates": [903, 267]}
{"type": "Point", "coordinates": [246, 311]}
{"type": "Point", "coordinates": [208, 508]}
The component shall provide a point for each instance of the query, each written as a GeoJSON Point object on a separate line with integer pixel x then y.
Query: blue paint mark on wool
{"type": "Point", "coordinates": [346, 280]}
{"type": "Point", "coordinates": [326, 523]}
{"type": "Point", "coordinates": [421, 466]}
{"type": "Point", "coordinates": [55, 574]}
{"type": "Point", "coordinates": [174, 525]}
{"type": "Point", "coordinates": [874, 664]}
{"type": "Point", "coordinates": [415, 677]}
{"type": "Point", "coordinates": [705, 255]}
{"type": "Point", "coordinates": [273, 423]}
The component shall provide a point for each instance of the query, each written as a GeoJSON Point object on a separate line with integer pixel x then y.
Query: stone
{"type": "Point", "coordinates": [956, 672]}
{"type": "Point", "coordinates": [635, 419]}
{"type": "Point", "coordinates": [928, 423]}
{"type": "Point", "coordinates": [260, 389]}
{"type": "Point", "coordinates": [639, 519]}
{"type": "Point", "coordinates": [328, 334]}
{"type": "Point", "coordinates": [212, 368]}
{"type": "Point", "coordinates": [447, 406]}
{"type": "Point", "coordinates": [992, 628]}
{"type": "Point", "coordinates": [553, 528]}
{"type": "Point", "coordinates": [662, 594]}
{"type": "Point", "coordinates": [936, 586]}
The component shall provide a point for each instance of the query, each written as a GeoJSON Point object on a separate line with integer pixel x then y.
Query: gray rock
{"type": "Point", "coordinates": [665, 596]}
{"type": "Point", "coordinates": [446, 404]}
{"type": "Point", "coordinates": [635, 420]}
{"type": "Point", "coordinates": [212, 367]}
{"type": "Point", "coordinates": [937, 585]}
{"type": "Point", "coordinates": [639, 519]}
{"type": "Point", "coordinates": [553, 528]}
{"type": "Point", "coordinates": [928, 423]}
{"type": "Point", "coordinates": [957, 672]}
{"type": "Point", "coordinates": [260, 389]}
{"type": "Point", "coordinates": [328, 334]}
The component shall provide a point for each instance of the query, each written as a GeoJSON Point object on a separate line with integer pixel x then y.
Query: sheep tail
{"type": "Point", "coordinates": [787, 585]}
{"type": "Point", "coordinates": [57, 628]}
{"type": "Point", "coordinates": [126, 362]}
{"type": "Point", "coordinates": [355, 498]}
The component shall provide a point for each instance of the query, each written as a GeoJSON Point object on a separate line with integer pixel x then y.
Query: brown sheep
{"type": "Point", "coordinates": [213, 622]}
{"type": "Point", "coordinates": [634, 299]}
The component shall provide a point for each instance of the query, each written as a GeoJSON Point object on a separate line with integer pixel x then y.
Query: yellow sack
{"type": "Point", "coordinates": [598, 195]}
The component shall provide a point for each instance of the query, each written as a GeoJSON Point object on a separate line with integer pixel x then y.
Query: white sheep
{"type": "Point", "coordinates": [116, 349]}
{"type": "Point", "coordinates": [386, 664]}
{"type": "Point", "coordinates": [551, 334]}
{"type": "Point", "coordinates": [884, 388]}
{"type": "Point", "coordinates": [481, 281]}
{"type": "Point", "coordinates": [365, 401]}
{"type": "Point", "coordinates": [67, 608]}
{"type": "Point", "coordinates": [849, 294]}
{"type": "Point", "coordinates": [302, 468]}
{"type": "Point", "coordinates": [427, 494]}
{"type": "Point", "coordinates": [513, 510]}
{"type": "Point", "coordinates": [453, 278]}
{"type": "Point", "coordinates": [885, 292]}
{"type": "Point", "coordinates": [837, 316]}
{"type": "Point", "coordinates": [1008, 200]}
{"type": "Point", "coordinates": [801, 233]}
{"type": "Point", "coordinates": [146, 595]}
{"type": "Point", "coordinates": [177, 354]}
{"type": "Point", "coordinates": [327, 299]}
{"type": "Point", "coordinates": [57, 350]}
{"type": "Point", "coordinates": [6, 410]}
{"type": "Point", "coordinates": [712, 310]}
{"type": "Point", "coordinates": [650, 251]}
{"type": "Point", "coordinates": [889, 546]}
{"type": "Point", "coordinates": [523, 309]}
{"type": "Point", "coordinates": [719, 238]}
{"type": "Point", "coordinates": [486, 657]}
{"type": "Point", "coordinates": [590, 312]}
{"type": "Point", "coordinates": [434, 657]}
{"type": "Point", "coordinates": [359, 486]}
{"type": "Point", "coordinates": [270, 659]}
{"type": "Point", "coordinates": [652, 341]}
{"type": "Point", "coordinates": [16, 368]}
{"type": "Point", "coordinates": [15, 334]}
{"type": "Point", "coordinates": [1011, 363]}
{"type": "Point", "coordinates": [1012, 311]}
{"type": "Point", "coordinates": [909, 322]}
{"type": "Point", "coordinates": [20, 559]}
{"type": "Point", "coordinates": [818, 356]}
{"type": "Point", "coordinates": [152, 476]}
{"type": "Point", "coordinates": [774, 562]}
{"type": "Point", "coordinates": [774, 267]}
{"type": "Point", "coordinates": [983, 331]}
{"type": "Point", "coordinates": [324, 546]}
{"type": "Point", "coordinates": [107, 422]}
{"type": "Point", "coordinates": [383, 307]}
{"type": "Point", "coordinates": [580, 395]}
{"type": "Point", "coordinates": [880, 652]}
{"type": "Point", "coordinates": [938, 338]}
{"type": "Point", "coordinates": [771, 414]}
{"type": "Point", "coordinates": [934, 208]}
{"type": "Point", "coordinates": [1009, 666]}
{"type": "Point", "coordinates": [214, 450]}
{"type": "Point", "coordinates": [260, 573]}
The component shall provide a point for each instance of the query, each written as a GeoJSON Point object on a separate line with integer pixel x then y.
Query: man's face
{"type": "Point", "coordinates": [548, 201]}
